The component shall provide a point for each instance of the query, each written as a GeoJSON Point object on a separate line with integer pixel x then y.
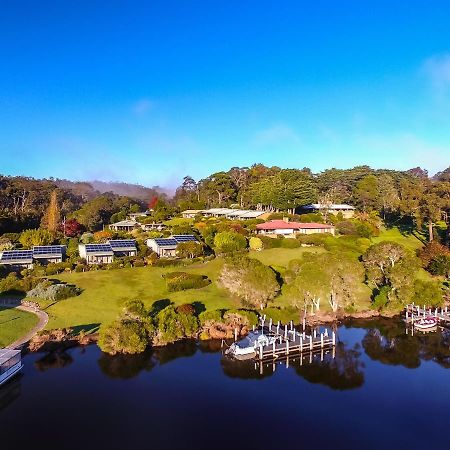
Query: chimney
{"type": "Point", "coordinates": [286, 219]}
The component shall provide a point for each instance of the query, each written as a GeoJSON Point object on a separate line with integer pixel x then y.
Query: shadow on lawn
{"type": "Point", "coordinates": [87, 328]}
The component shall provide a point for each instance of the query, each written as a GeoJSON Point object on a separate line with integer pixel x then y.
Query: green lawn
{"type": "Point", "coordinates": [14, 324]}
{"type": "Point", "coordinates": [282, 256]}
{"type": "Point", "coordinates": [106, 291]}
{"type": "Point", "coordinates": [410, 241]}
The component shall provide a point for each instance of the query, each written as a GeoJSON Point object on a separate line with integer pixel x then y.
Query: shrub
{"type": "Point", "coordinates": [139, 263]}
{"type": "Point", "coordinates": [249, 279]}
{"type": "Point", "coordinates": [269, 242]}
{"type": "Point", "coordinates": [255, 243]}
{"type": "Point", "coordinates": [123, 337]}
{"type": "Point", "coordinates": [211, 316]}
{"type": "Point", "coordinates": [53, 292]}
{"type": "Point", "coordinates": [180, 281]}
{"type": "Point", "coordinates": [229, 241]}
{"type": "Point", "coordinates": [186, 308]}
{"type": "Point", "coordinates": [440, 265]}
{"type": "Point", "coordinates": [173, 325]}
{"type": "Point", "coordinates": [316, 239]}
{"type": "Point", "coordinates": [290, 243]}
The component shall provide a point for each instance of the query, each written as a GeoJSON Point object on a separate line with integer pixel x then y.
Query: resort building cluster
{"type": "Point", "coordinates": [104, 253]}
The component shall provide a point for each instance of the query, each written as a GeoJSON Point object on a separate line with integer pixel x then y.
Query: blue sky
{"type": "Point", "coordinates": [151, 91]}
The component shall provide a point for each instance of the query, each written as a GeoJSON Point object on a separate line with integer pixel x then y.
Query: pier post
{"type": "Point", "coordinates": [321, 340]}
{"type": "Point", "coordinates": [285, 331]}
{"type": "Point", "coordinates": [304, 323]}
{"type": "Point", "coordinates": [301, 344]}
{"type": "Point", "coordinates": [278, 327]}
{"type": "Point", "coordinates": [260, 352]}
{"type": "Point", "coordinates": [292, 325]}
{"type": "Point", "coordinates": [253, 328]}
{"type": "Point", "coordinates": [310, 342]}
{"type": "Point", "coordinates": [326, 332]}
{"type": "Point", "coordinates": [406, 316]}
{"type": "Point", "coordinates": [333, 337]}
{"type": "Point", "coordinates": [270, 324]}
{"type": "Point", "coordinates": [287, 347]}
{"type": "Point", "coordinates": [273, 348]}
{"type": "Point", "coordinates": [435, 312]}
{"type": "Point", "coordinates": [315, 333]}
{"type": "Point", "coordinates": [235, 334]}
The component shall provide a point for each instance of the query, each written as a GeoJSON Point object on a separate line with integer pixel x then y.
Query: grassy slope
{"type": "Point", "coordinates": [409, 241]}
{"type": "Point", "coordinates": [106, 291]}
{"type": "Point", "coordinates": [14, 324]}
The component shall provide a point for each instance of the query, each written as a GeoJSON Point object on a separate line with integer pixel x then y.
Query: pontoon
{"type": "Point", "coordinates": [10, 364]}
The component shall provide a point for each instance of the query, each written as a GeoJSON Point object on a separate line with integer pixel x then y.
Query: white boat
{"type": "Point", "coordinates": [426, 323]}
{"type": "Point", "coordinates": [10, 364]}
{"type": "Point", "coordinates": [247, 347]}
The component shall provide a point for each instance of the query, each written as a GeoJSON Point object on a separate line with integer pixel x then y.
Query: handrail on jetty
{"type": "Point", "coordinates": [414, 312]}
{"type": "Point", "coordinates": [288, 340]}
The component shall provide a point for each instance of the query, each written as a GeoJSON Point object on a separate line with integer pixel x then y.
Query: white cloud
{"type": "Point", "coordinates": [437, 69]}
{"type": "Point", "coordinates": [143, 106]}
{"type": "Point", "coordinates": [276, 134]}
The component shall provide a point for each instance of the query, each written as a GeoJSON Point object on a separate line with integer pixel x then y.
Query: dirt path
{"type": "Point", "coordinates": [42, 316]}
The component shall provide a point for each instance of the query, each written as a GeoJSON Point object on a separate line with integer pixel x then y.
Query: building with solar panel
{"type": "Point", "coordinates": [96, 253]}
{"type": "Point", "coordinates": [123, 247]}
{"type": "Point", "coordinates": [167, 247]}
{"type": "Point", "coordinates": [17, 259]}
{"type": "Point", "coordinates": [46, 254]}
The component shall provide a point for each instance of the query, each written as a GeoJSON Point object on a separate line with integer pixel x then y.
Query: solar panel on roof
{"type": "Point", "coordinates": [98, 248]}
{"type": "Point", "coordinates": [184, 238]}
{"type": "Point", "coordinates": [165, 242]}
{"type": "Point", "coordinates": [121, 243]}
{"type": "Point", "coordinates": [13, 255]}
{"type": "Point", "coordinates": [48, 249]}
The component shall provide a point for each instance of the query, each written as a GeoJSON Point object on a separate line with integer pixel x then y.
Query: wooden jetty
{"type": "Point", "coordinates": [286, 360]}
{"type": "Point", "coordinates": [289, 341]}
{"type": "Point", "coordinates": [415, 312]}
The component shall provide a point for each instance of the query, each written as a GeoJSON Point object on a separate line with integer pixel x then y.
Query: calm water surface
{"type": "Point", "coordinates": [383, 389]}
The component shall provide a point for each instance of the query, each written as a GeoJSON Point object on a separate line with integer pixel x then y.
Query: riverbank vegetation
{"type": "Point", "coordinates": [393, 251]}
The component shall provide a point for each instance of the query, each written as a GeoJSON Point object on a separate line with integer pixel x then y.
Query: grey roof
{"type": "Point", "coordinates": [48, 251]}
{"type": "Point", "coordinates": [6, 354]}
{"type": "Point", "coordinates": [122, 244]}
{"type": "Point", "coordinates": [333, 206]}
{"type": "Point", "coordinates": [16, 257]}
{"type": "Point", "coordinates": [99, 249]}
{"type": "Point", "coordinates": [125, 223]}
{"type": "Point", "coordinates": [174, 240]}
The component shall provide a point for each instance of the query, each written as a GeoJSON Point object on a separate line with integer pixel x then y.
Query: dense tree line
{"type": "Point", "coordinates": [408, 196]}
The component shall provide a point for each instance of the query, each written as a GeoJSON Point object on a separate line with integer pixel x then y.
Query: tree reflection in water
{"type": "Point", "coordinates": [343, 371]}
{"type": "Point", "coordinates": [54, 360]}
{"type": "Point", "coordinates": [386, 341]}
{"type": "Point", "coordinates": [126, 366]}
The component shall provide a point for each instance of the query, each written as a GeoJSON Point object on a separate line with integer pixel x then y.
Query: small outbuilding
{"type": "Point", "coordinates": [96, 253]}
{"type": "Point", "coordinates": [46, 254]}
{"type": "Point", "coordinates": [17, 259]}
{"type": "Point", "coordinates": [166, 247]}
{"type": "Point", "coordinates": [123, 247]}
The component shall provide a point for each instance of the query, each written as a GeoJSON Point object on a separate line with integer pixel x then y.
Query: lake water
{"type": "Point", "coordinates": [383, 389]}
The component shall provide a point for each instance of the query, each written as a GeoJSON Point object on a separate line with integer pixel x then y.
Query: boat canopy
{"type": "Point", "coordinates": [8, 358]}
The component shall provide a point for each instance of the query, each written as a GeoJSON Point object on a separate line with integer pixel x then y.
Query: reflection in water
{"type": "Point", "coordinates": [340, 370]}
{"type": "Point", "coordinates": [10, 391]}
{"type": "Point", "coordinates": [126, 366]}
{"type": "Point", "coordinates": [344, 371]}
{"type": "Point", "coordinates": [53, 360]}
{"type": "Point", "coordinates": [389, 343]}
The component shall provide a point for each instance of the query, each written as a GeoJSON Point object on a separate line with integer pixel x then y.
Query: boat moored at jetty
{"type": "Point", "coordinates": [247, 347]}
{"type": "Point", "coordinates": [10, 364]}
{"type": "Point", "coordinates": [426, 324]}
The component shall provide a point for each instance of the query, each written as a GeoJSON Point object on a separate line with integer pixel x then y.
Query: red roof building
{"type": "Point", "coordinates": [284, 227]}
